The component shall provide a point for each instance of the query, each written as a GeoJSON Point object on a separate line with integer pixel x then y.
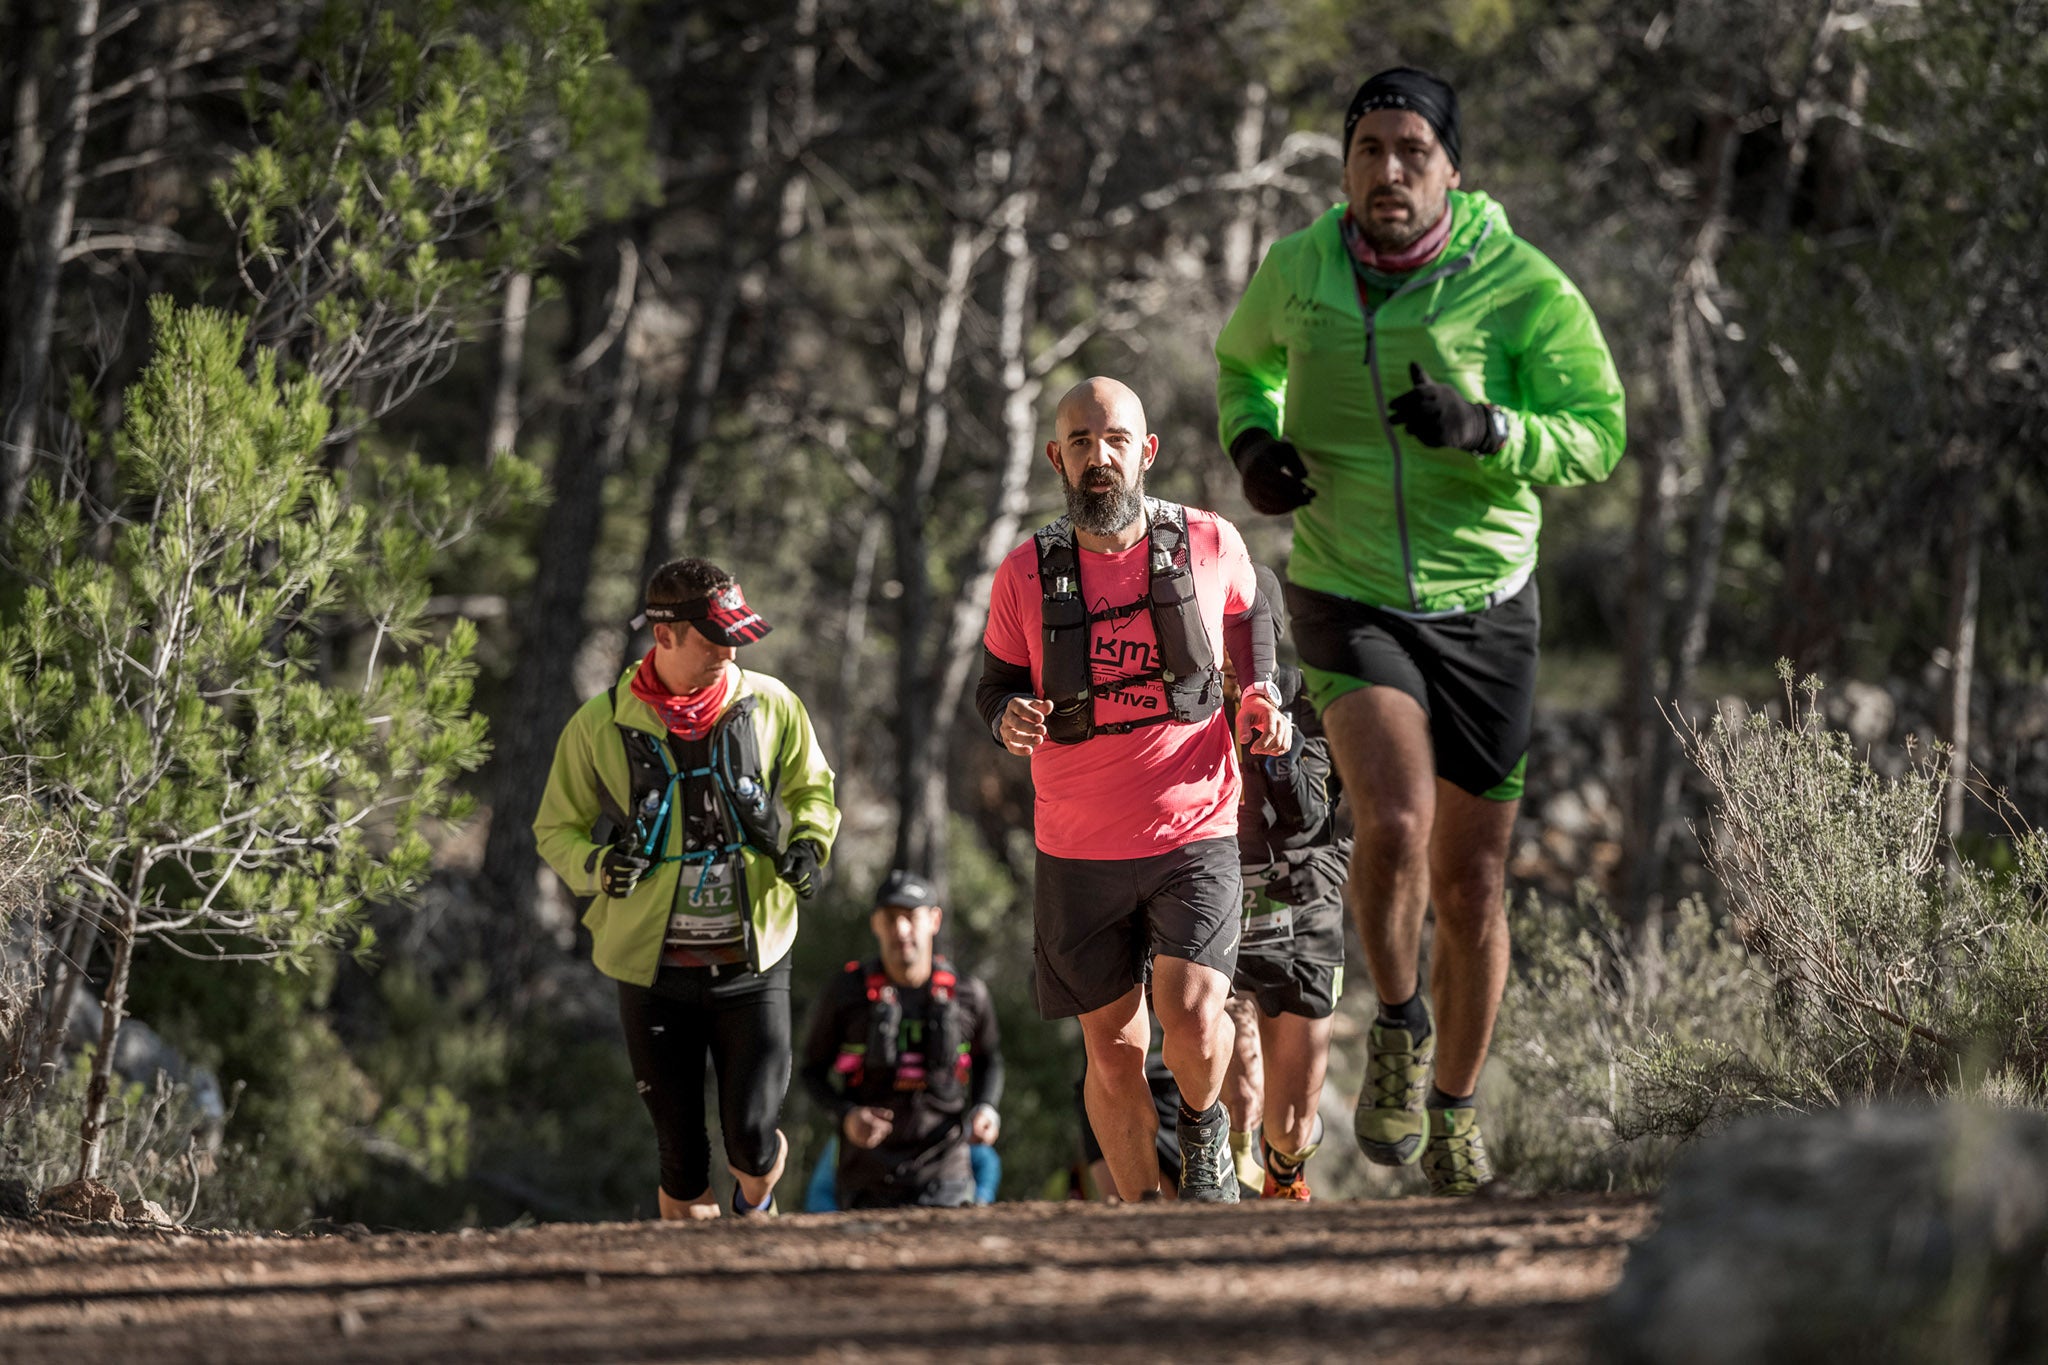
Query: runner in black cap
{"type": "Point", "coordinates": [692, 803]}
{"type": "Point", "coordinates": [1400, 378]}
{"type": "Point", "coordinates": [903, 1053]}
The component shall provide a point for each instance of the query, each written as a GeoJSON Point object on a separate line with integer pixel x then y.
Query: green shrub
{"type": "Point", "coordinates": [1858, 956]}
{"type": "Point", "coordinates": [1597, 1040]}
{"type": "Point", "coordinates": [1896, 966]}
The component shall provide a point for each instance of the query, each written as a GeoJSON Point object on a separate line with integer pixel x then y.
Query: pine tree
{"type": "Point", "coordinates": [229, 801]}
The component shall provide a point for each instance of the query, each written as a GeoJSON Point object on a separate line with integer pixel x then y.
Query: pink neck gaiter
{"type": "Point", "coordinates": [1416, 254]}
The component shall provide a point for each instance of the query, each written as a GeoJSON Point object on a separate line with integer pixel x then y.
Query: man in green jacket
{"type": "Point", "coordinates": [1401, 376]}
{"type": "Point", "coordinates": [691, 801]}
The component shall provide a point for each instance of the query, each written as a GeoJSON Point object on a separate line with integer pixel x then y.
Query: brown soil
{"type": "Point", "coordinates": [1478, 1281]}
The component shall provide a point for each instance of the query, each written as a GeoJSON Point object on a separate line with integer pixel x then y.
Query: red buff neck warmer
{"type": "Point", "coordinates": [689, 716]}
{"type": "Point", "coordinates": [1418, 253]}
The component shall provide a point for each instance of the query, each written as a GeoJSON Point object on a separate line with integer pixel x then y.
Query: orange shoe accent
{"type": "Point", "coordinates": [1295, 1189]}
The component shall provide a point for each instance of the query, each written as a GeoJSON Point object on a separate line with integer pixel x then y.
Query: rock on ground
{"type": "Point", "coordinates": [146, 1211]}
{"type": "Point", "coordinates": [84, 1199]}
{"type": "Point", "coordinates": [1871, 1234]}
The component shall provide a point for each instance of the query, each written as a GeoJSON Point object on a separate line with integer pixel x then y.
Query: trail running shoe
{"type": "Point", "coordinates": [1244, 1154]}
{"type": "Point", "coordinates": [1207, 1174]}
{"type": "Point", "coordinates": [1294, 1188]}
{"type": "Point", "coordinates": [741, 1208]}
{"type": "Point", "coordinates": [1455, 1159]}
{"type": "Point", "coordinates": [1287, 1173]}
{"type": "Point", "coordinates": [1389, 1122]}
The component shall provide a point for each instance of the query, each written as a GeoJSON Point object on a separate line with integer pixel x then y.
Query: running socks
{"type": "Point", "coordinates": [1286, 1166]}
{"type": "Point", "coordinates": [1439, 1100]}
{"type": "Point", "coordinates": [1411, 1014]}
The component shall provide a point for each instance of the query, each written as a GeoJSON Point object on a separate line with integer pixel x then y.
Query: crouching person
{"type": "Point", "coordinates": [668, 803]}
{"type": "Point", "coordinates": [903, 1052]}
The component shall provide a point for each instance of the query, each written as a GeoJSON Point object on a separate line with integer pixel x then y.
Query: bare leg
{"type": "Point", "coordinates": [1118, 1099]}
{"type": "Point", "coordinates": [1380, 739]}
{"type": "Point", "coordinates": [1244, 1082]}
{"type": "Point", "coordinates": [755, 1189]}
{"type": "Point", "coordinates": [1468, 854]}
{"type": "Point", "coordinates": [1199, 1036]}
{"type": "Point", "coordinates": [1297, 1054]}
{"type": "Point", "coordinates": [704, 1205]}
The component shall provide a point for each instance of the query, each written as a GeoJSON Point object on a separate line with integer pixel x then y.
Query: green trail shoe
{"type": "Point", "coordinates": [1455, 1159]}
{"type": "Point", "coordinates": [1207, 1174]}
{"type": "Point", "coordinates": [1389, 1122]}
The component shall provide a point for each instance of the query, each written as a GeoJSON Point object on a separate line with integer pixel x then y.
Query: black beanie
{"type": "Point", "coordinates": [1403, 87]}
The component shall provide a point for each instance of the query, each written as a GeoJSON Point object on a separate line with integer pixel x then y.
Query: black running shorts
{"type": "Point", "coordinates": [1473, 675]}
{"type": "Point", "coordinates": [1099, 921]}
{"type": "Point", "coordinates": [1290, 985]}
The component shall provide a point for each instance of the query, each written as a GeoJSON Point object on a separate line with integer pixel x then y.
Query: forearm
{"type": "Point", "coordinates": [1249, 640]}
{"type": "Point", "coordinates": [1000, 681]}
{"type": "Point", "coordinates": [986, 1085]}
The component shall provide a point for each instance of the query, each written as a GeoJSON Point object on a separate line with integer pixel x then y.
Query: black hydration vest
{"type": "Point", "coordinates": [723, 773]}
{"type": "Point", "coordinates": [882, 1054]}
{"type": "Point", "coordinates": [1186, 665]}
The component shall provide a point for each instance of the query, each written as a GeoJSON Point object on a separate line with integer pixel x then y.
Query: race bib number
{"type": "Point", "coordinates": [1267, 922]}
{"type": "Point", "coordinates": [713, 904]}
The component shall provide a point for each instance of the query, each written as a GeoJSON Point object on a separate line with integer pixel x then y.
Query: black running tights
{"type": "Point", "coordinates": [740, 1020]}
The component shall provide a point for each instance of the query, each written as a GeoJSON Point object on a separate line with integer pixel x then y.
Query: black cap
{"type": "Point", "coordinates": [1403, 87]}
{"type": "Point", "coordinates": [905, 889]}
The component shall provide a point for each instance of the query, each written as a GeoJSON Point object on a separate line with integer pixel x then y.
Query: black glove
{"type": "Point", "coordinates": [1438, 415]}
{"type": "Point", "coordinates": [799, 867]}
{"type": "Point", "coordinates": [621, 871]}
{"type": "Point", "coordinates": [1275, 479]}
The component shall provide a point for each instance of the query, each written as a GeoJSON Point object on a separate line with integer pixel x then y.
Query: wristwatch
{"type": "Point", "coordinates": [1496, 428]}
{"type": "Point", "coordinates": [1264, 689]}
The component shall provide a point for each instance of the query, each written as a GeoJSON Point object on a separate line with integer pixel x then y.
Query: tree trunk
{"type": "Point", "coordinates": [1241, 237]}
{"type": "Point", "coordinates": [803, 120]}
{"type": "Point", "coordinates": [919, 835]}
{"type": "Point", "coordinates": [501, 436]}
{"type": "Point", "coordinates": [1690, 362]}
{"type": "Point", "coordinates": [961, 653]}
{"type": "Point", "coordinates": [113, 1006]}
{"type": "Point", "coordinates": [594, 435]}
{"type": "Point", "coordinates": [38, 267]}
{"type": "Point", "coordinates": [670, 519]}
{"type": "Point", "coordinates": [63, 972]}
{"type": "Point", "coordinates": [853, 636]}
{"type": "Point", "coordinates": [1702, 574]}
{"type": "Point", "coordinates": [1965, 581]}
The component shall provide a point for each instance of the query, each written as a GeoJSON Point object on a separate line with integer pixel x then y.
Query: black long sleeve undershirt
{"type": "Point", "coordinates": [1248, 638]}
{"type": "Point", "coordinates": [1000, 681]}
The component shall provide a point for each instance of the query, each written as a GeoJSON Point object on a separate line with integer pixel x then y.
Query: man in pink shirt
{"type": "Point", "coordinates": [1102, 663]}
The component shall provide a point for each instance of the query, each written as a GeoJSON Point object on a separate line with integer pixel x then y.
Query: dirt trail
{"type": "Point", "coordinates": [1499, 1280]}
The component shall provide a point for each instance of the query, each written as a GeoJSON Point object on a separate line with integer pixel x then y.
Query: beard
{"type": "Point", "coordinates": [1389, 237]}
{"type": "Point", "coordinates": [1103, 511]}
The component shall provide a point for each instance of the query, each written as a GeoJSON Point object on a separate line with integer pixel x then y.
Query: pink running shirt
{"type": "Point", "coordinates": [1156, 788]}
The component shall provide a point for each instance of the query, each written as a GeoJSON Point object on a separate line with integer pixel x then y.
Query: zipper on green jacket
{"type": "Point", "coordinates": [1379, 398]}
{"type": "Point", "coordinates": [1379, 393]}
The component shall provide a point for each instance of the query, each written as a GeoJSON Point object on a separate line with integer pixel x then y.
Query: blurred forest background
{"type": "Point", "coordinates": [559, 289]}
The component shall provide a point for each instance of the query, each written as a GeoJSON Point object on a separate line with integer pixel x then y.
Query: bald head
{"type": "Point", "coordinates": [1100, 405]}
{"type": "Point", "coordinates": [1102, 450]}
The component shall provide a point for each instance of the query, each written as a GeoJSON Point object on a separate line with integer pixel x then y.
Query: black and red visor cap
{"type": "Point", "coordinates": [724, 618]}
